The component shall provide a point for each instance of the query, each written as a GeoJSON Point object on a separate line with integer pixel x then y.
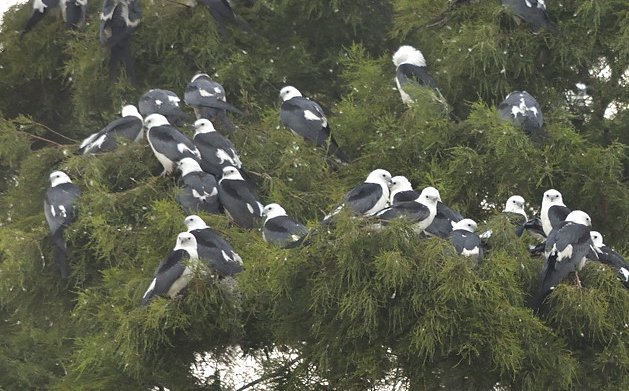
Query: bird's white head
{"type": "Point", "coordinates": [379, 176]}
{"type": "Point", "coordinates": [231, 172]}
{"type": "Point", "coordinates": [408, 55]}
{"type": "Point", "coordinates": [193, 222]}
{"type": "Point", "coordinates": [597, 238]}
{"type": "Point", "coordinates": [203, 126]}
{"type": "Point", "coordinates": [465, 225]}
{"type": "Point", "coordinates": [188, 165]}
{"type": "Point", "coordinates": [273, 210]}
{"type": "Point", "coordinates": [130, 111]}
{"type": "Point", "coordinates": [515, 204]}
{"type": "Point", "coordinates": [155, 120]}
{"type": "Point", "coordinates": [186, 241]}
{"type": "Point", "coordinates": [552, 197]}
{"type": "Point", "coordinates": [579, 217]}
{"type": "Point", "coordinates": [400, 183]}
{"type": "Point", "coordinates": [289, 92]}
{"type": "Point", "coordinates": [429, 196]}
{"type": "Point", "coordinates": [59, 177]}
{"type": "Point", "coordinates": [199, 76]}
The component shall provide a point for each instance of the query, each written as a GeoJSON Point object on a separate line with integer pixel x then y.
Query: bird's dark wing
{"type": "Point", "coordinates": [74, 13]}
{"type": "Point", "coordinates": [305, 118]}
{"type": "Point", "coordinates": [408, 73]}
{"type": "Point", "coordinates": [412, 210]}
{"type": "Point", "coordinates": [219, 254]}
{"type": "Point", "coordinates": [404, 196]}
{"type": "Point", "coordinates": [128, 127]}
{"type": "Point", "coordinates": [164, 278]}
{"type": "Point", "coordinates": [239, 202]}
{"type": "Point", "coordinates": [172, 143]}
{"type": "Point", "coordinates": [284, 231]}
{"type": "Point", "coordinates": [200, 193]}
{"type": "Point", "coordinates": [465, 241]}
{"type": "Point", "coordinates": [363, 197]}
{"type": "Point", "coordinates": [532, 12]}
{"type": "Point", "coordinates": [37, 16]}
{"type": "Point", "coordinates": [557, 214]}
{"type": "Point", "coordinates": [534, 226]}
{"type": "Point", "coordinates": [59, 205]}
{"type": "Point", "coordinates": [441, 225]}
{"type": "Point", "coordinates": [205, 93]}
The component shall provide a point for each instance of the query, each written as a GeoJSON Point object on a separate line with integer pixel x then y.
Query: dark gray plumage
{"type": "Point", "coordinates": [118, 20]}
{"type": "Point", "coordinates": [553, 211]}
{"type": "Point", "coordinates": [40, 9]}
{"type": "Point", "coordinates": [168, 144]}
{"type": "Point", "coordinates": [441, 225]}
{"type": "Point", "coordinates": [216, 150]}
{"type": "Point", "coordinates": [207, 98]}
{"type": "Point", "coordinates": [175, 271]}
{"type": "Point", "coordinates": [60, 212]}
{"type": "Point", "coordinates": [532, 12]}
{"type": "Point", "coordinates": [238, 199]}
{"type": "Point", "coordinates": [130, 126]}
{"type": "Point", "coordinates": [281, 230]}
{"type": "Point", "coordinates": [216, 251]}
{"type": "Point", "coordinates": [411, 72]}
{"type": "Point", "coordinates": [421, 210]}
{"type": "Point", "coordinates": [200, 191]}
{"type": "Point", "coordinates": [608, 256]}
{"type": "Point", "coordinates": [73, 12]}
{"type": "Point", "coordinates": [305, 118]}
{"type": "Point", "coordinates": [566, 249]}
{"type": "Point", "coordinates": [522, 110]}
{"type": "Point", "coordinates": [164, 102]}
{"type": "Point", "coordinates": [223, 14]}
{"type": "Point", "coordinates": [465, 241]}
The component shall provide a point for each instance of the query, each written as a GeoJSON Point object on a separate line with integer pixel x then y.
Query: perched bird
{"type": "Point", "coordinates": [129, 126]}
{"type": "Point", "coordinates": [164, 102]}
{"type": "Point", "coordinates": [411, 72]}
{"type": "Point", "coordinates": [223, 14]}
{"type": "Point", "coordinates": [281, 230]}
{"type": "Point", "coordinates": [207, 98]}
{"type": "Point", "coordinates": [168, 144]}
{"type": "Point", "coordinates": [523, 111]}
{"type": "Point", "coordinates": [566, 249]}
{"type": "Point", "coordinates": [200, 191]}
{"type": "Point", "coordinates": [368, 198]}
{"type": "Point", "coordinates": [421, 211]}
{"type": "Point", "coordinates": [514, 210]}
{"type": "Point", "coordinates": [465, 241]}
{"type": "Point", "coordinates": [305, 118]}
{"type": "Point", "coordinates": [118, 20]}
{"type": "Point", "coordinates": [553, 211]}
{"type": "Point", "coordinates": [532, 12]}
{"type": "Point", "coordinates": [610, 257]}
{"type": "Point", "coordinates": [40, 8]}
{"type": "Point", "coordinates": [73, 12]}
{"type": "Point", "coordinates": [219, 255]}
{"type": "Point", "coordinates": [175, 271]}
{"type": "Point", "coordinates": [60, 212]}
{"type": "Point", "coordinates": [401, 190]}
{"type": "Point", "coordinates": [238, 200]}
{"type": "Point", "coordinates": [442, 224]}
{"type": "Point", "coordinates": [216, 150]}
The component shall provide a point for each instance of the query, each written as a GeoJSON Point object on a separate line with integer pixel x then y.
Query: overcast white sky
{"type": "Point", "coordinates": [5, 4]}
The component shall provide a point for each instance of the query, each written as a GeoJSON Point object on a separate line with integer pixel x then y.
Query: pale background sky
{"type": "Point", "coordinates": [5, 4]}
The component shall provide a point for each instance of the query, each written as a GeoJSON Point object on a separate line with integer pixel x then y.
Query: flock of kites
{"type": "Point", "coordinates": [214, 180]}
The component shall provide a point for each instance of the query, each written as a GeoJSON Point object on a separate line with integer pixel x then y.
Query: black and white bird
{"type": "Point", "coordinates": [129, 126]}
{"type": "Point", "coordinates": [522, 110]}
{"type": "Point", "coordinates": [401, 190]}
{"type": "Point", "coordinates": [240, 203]}
{"type": "Point", "coordinates": [608, 256]}
{"type": "Point", "coordinates": [73, 12]}
{"type": "Point", "coordinates": [514, 210]}
{"type": "Point", "coordinates": [421, 211]}
{"type": "Point", "coordinates": [305, 118]}
{"type": "Point", "coordinates": [200, 190]}
{"type": "Point", "coordinates": [207, 98]}
{"type": "Point", "coordinates": [567, 247]}
{"type": "Point", "coordinates": [118, 20]}
{"type": "Point", "coordinates": [553, 211]}
{"type": "Point", "coordinates": [60, 212]}
{"type": "Point", "coordinates": [223, 14]}
{"type": "Point", "coordinates": [175, 271]}
{"type": "Point", "coordinates": [532, 12]}
{"type": "Point", "coordinates": [441, 225]}
{"type": "Point", "coordinates": [40, 9]}
{"type": "Point", "coordinates": [216, 150]}
{"type": "Point", "coordinates": [368, 198]}
{"type": "Point", "coordinates": [168, 144]}
{"type": "Point", "coordinates": [465, 241]}
{"type": "Point", "coordinates": [216, 251]}
{"type": "Point", "coordinates": [281, 230]}
{"type": "Point", "coordinates": [164, 102]}
{"type": "Point", "coordinates": [411, 73]}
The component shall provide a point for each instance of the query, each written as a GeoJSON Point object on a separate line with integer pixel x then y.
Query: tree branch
{"type": "Point", "coordinates": [274, 374]}
{"type": "Point", "coordinates": [42, 139]}
{"type": "Point", "coordinates": [54, 131]}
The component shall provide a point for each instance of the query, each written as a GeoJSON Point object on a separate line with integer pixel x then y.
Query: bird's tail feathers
{"type": "Point", "coordinates": [336, 151]}
{"type": "Point", "coordinates": [60, 252]}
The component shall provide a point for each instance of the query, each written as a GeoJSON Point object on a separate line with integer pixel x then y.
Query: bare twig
{"type": "Point", "coordinates": [54, 131]}
{"type": "Point", "coordinates": [42, 139]}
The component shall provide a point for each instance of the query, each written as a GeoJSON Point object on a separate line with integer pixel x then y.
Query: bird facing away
{"type": "Point", "coordinates": [441, 225]}
{"type": "Point", "coordinates": [118, 20]}
{"type": "Point", "coordinates": [281, 230]}
{"type": "Point", "coordinates": [129, 126]}
{"type": "Point", "coordinates": [411, 73]}
{"type": "Point", "coordinates": [175, 271]}
{"type": "Point", "coordinates": [522, 110]}
{"type": "Point", "coordinates": [164, 102]}
{"type": "Point", "coordinates": [213, 249]}
{"type": "Point", "coordinates": [168, 144]}
{"type": "Point", "coordinates": [240, 203]}
{"type": "Point", "coordinates": [553, 211]}
{"type": "Point", "coordinates": [533, 12]}
{"type": "Point", "coordinates": [566, 249]}
{"type": "Point", "coordinates": [200, 191]}
{"type": "Point", "coordinates": [216, 150]}
{"type": "Point", "coordinates": [223, 14]}
{"type": "Point", "coordinates": [207, 98]}
{"type": "Point", "coordinates": [40, 8]}
{"type": "Point", "coordinates": [368, 198]}
{"type": "Point", "coordinates": [73, 12]}
{"type": "Point", "coordinates": [608, 256]}
{"type": "Point", "coordinates": [465, 241]}
{"type": "Point", "coordinates": [60, 212]}
{"type": "Point", "coordinates": [305, 118]}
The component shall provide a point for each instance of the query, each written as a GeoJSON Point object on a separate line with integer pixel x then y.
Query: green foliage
{"type": "Point", "coordinates": [358, 307]}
